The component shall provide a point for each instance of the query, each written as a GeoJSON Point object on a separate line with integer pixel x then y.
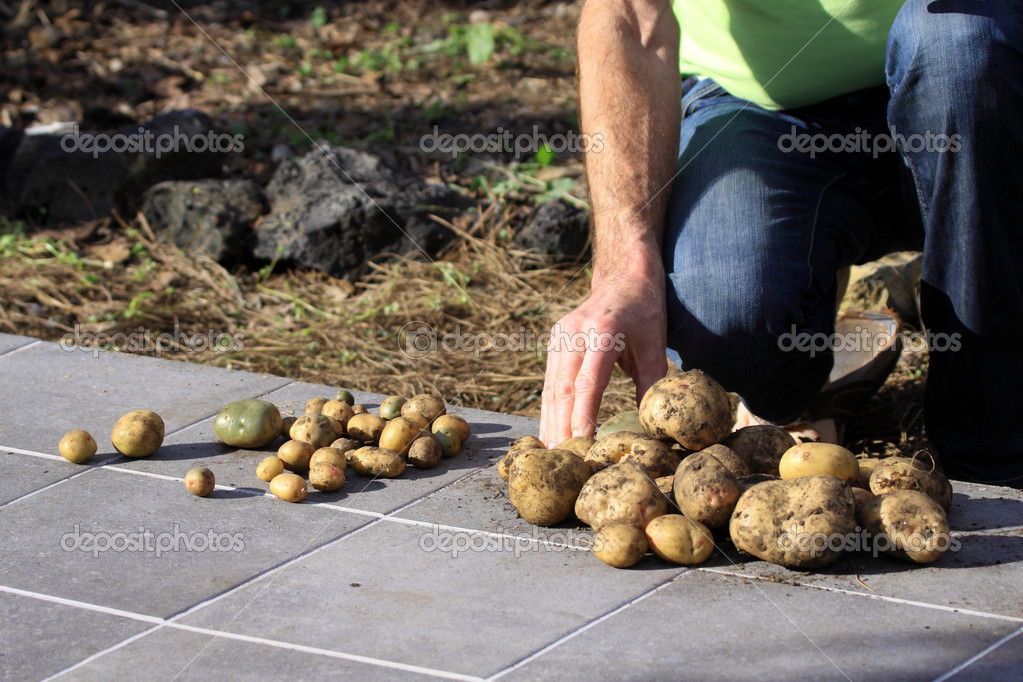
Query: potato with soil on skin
{"type": "Point", "coordinates": [289, 487]}
{"type": "Point", "coordinates": [424, 453]}
{"type": "Point", "coordinates": [344, 444]}
{"type": "Point", "coordinates": [747, 482]}
{"type": "Point", "coordinates": [138, 433]}
{"type": "Point", "coordinates": [427, 405]}
{"type": "Point", "coordinates": [622, 493]}
{"type": "Point", "coordinates": [317, 429]}
{"type": "Point", "coordinates": [620, 546]}
{"type": "Point", "coordinates": [624, 421]}
{"type": "Point", "coordinates": [358, 408]}
{"type": "Point", "coordinates": [200, 481]}
{"type": "Point", "coordinates": [453, 422]}
{"type": "Point", "coordinates": [867, 464]}
{"type": "Point", "coordinates": [705, 490]}
{"type": "Point", "coordinates": [907, 524]}
{"type": "Point", "coordinates": [761, 445]}
{"type": "Point", "coordinates": [328, 455]}
{"type": "Point", "coordinates": [666, 484]}
{"type": "Point", "coordinates": [390, 407]}
{"type": "Point", "coordinates": [543, 485]}
{"type": "Point", "coordinates": [339, 411]}
{"type": "Point", "coordinates": [515, 448]}
{"type": "Point", "coordinates": [689, 408]}
{"type": "Point", "coordinates": [315, 405]}
{"type": "Point", "coordinates": [730, 458]}
{"type": "Point", "coordinates": [248, 424]}
{"type": "Point", "coordinates": [287, 421]}
{"type": "Point", "coordinates": [398, 434]}
{"type": "Point", "coordinates": [77, 446]}
{"type": "Point", "coordinates": [861, 497]}
{"type": "Point", "coordinates": [296, 454]}
{"type": "Point", "coordinates": [269, 467]}
{"type": "Point", "coordinates": [819, 459]}
{"type": "Point", "coordinates": [373, 461]}
{"type": "Point", "coordinates": [904, 473]}
{"type": "Point", "coordinates": [580, 445]}
{"type": "Point", "coordinates": [653, 455]}
{"type": "Point", "coordinates": [679, 539]}
{"type": "Point", "coordinates": [800, 523]}
{"type": "Point", "coordinates": [326, 476]}
{"type": "Point", "coordinates": [366, 427]}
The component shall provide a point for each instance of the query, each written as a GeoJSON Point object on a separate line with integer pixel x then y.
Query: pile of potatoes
{"type": "Point", "coordinates": [672, 477]}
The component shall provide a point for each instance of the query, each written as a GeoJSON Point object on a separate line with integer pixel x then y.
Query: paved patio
{"type": "Point", "coordinates": [112, 570]}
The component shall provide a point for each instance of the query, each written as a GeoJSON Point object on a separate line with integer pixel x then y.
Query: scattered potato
{"type": "Point", "coordinates": [269, 467]}
{"type": "Point", "coordinates": [328, 455]}
{"type": "Point", "coordinates": [296, 454]}
{"type": "Point", "coordinates": [426, 405]}
{"type": "Point", "coordinates": [366, 427]}
{"type": "Point", "coordinates": [316, 428]}
{"type": "Point", "coordinates": [374, 461]}
{"type": "Point", "coordinates": [77, 446]}
{"type": "Point", "coordinates": [680, 540]}
{"type": "Point", "coordinates": [543, 485]}
{"type": "Point", "coordinates": [622, 493]}
{"type": "Point", "coordinates": [345, 444]}
{"type": "Point", "coordinates": [690, 408]}
{"type": "Point", "coordinates": [346, 396]}
{"type": "Point", "coordinates": [903, 473]}
{"type": "Point", "coordinates": [138, 433]}
{"type": "Point", "coordinates": [449, 441]}
{"type": "Point", "coordinates": [705, 490]}
{"type": "Point", "coordinates": [287, 421]}
{"type": "Point", "coordinates": [454, 422]}
{"type": "Point", "coordinates": [908, 524]}
{"type": "Point", "coordinates": [819, 459]}
{"type": "Point", "coordinates": [620, 546]}
{"type": "Point", "coordinates": [625, 421]}
{"type": "Point", "coordinates": [248, 424]}
{"type": "Point", "coordinates": [326, 476]}
{"type": "Point", "coordinates": [398, 434]}
{"type": "Point", "coordinates": [515, 448]}
{"type": "Point", "coordinates": [761, 446]}
{"type": "Point", "coordinates": [359, 409]}
{"type": "Point", "coordinates": [289, 487]}
{"type": "Point", "coordinates": [424, 453]}
{"type": "Point", "coordinates": [314, 405]}
{"type": "Point", "coordinates": [200, 481]}
{"type": "Point", "coordinates": [391, 407]}
{"type": "Point", "coordinates": [730, 458]}
{"type": "Point", "coordinates": [339, 411]}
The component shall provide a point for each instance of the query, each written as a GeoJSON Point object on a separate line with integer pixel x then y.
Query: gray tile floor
{"type": "Point", "coordinates": [112, 570]}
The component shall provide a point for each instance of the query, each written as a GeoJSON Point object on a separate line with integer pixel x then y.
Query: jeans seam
{"type": "Point", "coordinates": [697, 93]}
{"type": "Point", "coordinates": [813, 239]}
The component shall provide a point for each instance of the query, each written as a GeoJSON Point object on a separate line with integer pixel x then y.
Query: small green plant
{"type": "Point", "coordinates": [318, 18]}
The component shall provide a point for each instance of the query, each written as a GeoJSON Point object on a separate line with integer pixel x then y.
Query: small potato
{"type": "Point", "coordinates": [907, 524]}
{"type": "Point", "coordinates": [689, 408]}
{"type": "Point", "coordinates": [138, 433]}
{"type": "Point", "coordinates": [200, 481]}
{"type": "Point", "coordinates": [623, 493]}
{"type": "Point", "coordinates": [315, 405]}
{"type": "Point", "coordinates": [346, 396]}
{"type": "Point", "coordinates": [653, 455]}
{"type": "Point", "coordinates": [295, 454]}
{"type": "Point", "coordinates": [289, 487]}
{"type": "Point", "coordinates": [419, 419]}
{"type": "Point", "coordinates": [861, 497]}
{"type": "Point", "coordinates": [680, 540]}
{"type": "Point", "coordinates": [366, 427]}
{"type": "Point", "coordinates": [425, 404]}
{"type": "Point", "coordinates": [580, 445]}
{"type": "Point", "coordinates": [398, 434]}
{"type": "Point", "coordinates": [424, 453]}
{"type": "Point", "coordinates": [620, 546]}
{"type": "Point", "coordinates": [269, 468]}
{"type": "Point", "coordinates": [339, 411]}
{"type": "Point", "coordinates": [867, 465]}
{"type": "Point", "coordinates": [346, 444]}
{"type": "Point", "coordinates": [373, 461]}
{"type": "Point", "coordinates": [326, 476]}
{"type": "Point", "coordinates": [316, 428]}
{"type": "Point", "coordinates": [449, 442]}
{"type": "Point", "coordinates": [730, 458]}
{"type": "Point", "coordinates": [77, 446]}
{"type": "Point", "coordinates": [328, 456]}
{"type": "Point", "coordinates": [705, 490]}
{"type": "Point", "coordinates": [761, 446]}
{"type": "Point", "coordinates": [287, 421]}
{"type": "Point", "coordinates": [819, 459]}
{"type": "Point", "coordinates": [624, 421]}
{"type": "Point", "coordinates": [903, 473]}
{"type": "Point", "coordinates": [515, 448]}
{"type": "Point", "coordinates": [454, 422]}
{"type": "Point", "coordinates": [391, 407]}
{"type": "Point", "coordinates": [543, 485]}
{"type": "Point", "coordinates": [359, 409]}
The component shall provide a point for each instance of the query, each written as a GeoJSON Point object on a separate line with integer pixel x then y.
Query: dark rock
{"type": "Point", "coordinates": [557, 229]}
{"type": "Point", "coordinates": [336, 208]}
{"type": "Point", "coordinates": [214, 217]}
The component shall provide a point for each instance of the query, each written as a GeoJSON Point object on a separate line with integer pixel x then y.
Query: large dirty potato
{"type": "Point", "coordinates": [903, 473]}
{"type": "Point", "coordinates": [653, 455]}
{"type": "Point", "coordinates": [138, 433]}
{"type": "Point", "coordinates": [315, 428]}
{"type": "Point", "coordinates": [620, 546]}
{"type": "Point", "coordinates": [819, 459]}
{"type": "Point", "coordinates": [544, 484]}
{"type": "Point", "coordinates": [730, 458]}
{"type": "Point", "coordinates": [679, 539]}
{"type": "Point", "coordinates": [705, 490]}
{"type": "Point", "coordinates": [516, 448]}
{"type": "Point", "coordinates": [690, 408]}
{"type": "Point", "coordinates": [762, 446]}
{"type": "Point", "coordinates": [800, 523]}
{"type": "Point", "coordinates": [907, 524]}
{"type": "Point", "coordinates": [621, 493]}
{"type": "Point", "coordinates": [426, 405]}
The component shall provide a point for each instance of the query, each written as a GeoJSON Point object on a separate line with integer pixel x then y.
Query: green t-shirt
{"type": "Point", "coordinates": [782, 54]}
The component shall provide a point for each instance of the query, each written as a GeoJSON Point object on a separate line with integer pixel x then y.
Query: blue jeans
{"type": "Point", "coordinates": [768, 205]}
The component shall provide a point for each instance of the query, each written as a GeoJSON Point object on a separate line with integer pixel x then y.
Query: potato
{"type": "Point", "coordinates": [425, 404]}
{"type": "Point", "coordinates": [200, 481]}
{"type": "Point", "coordinates": [819, 459]}
{"type": "Point", "coordinates": [315, 405]}
{"type": "Point", "coordinates": [867, 465]}
{"type": "Point", "coordinates": [666, 484]}
{"type": "Point", "coordinates": [580, 445]}
{"type": "Point", "coordinates": [373, 461]}
{"type": "Point", "coordinates": [419, 419]}
{"type": "Point", "coordinates": [317, 429]}
{"type": "Point", "coordinates": [448, 440]}
{"type": "Point", "coordinates": [903, 473]}
{"type": "Point", "coordinates": [138, 433]}
{"type": "Point", "coordinates": [359, 408]}
{"type": "Point", "coordinates": [747, 482]}
{"type": "Point", "coordinates": [287, 421]}
{"type": "Point", "coordinates": [625, 421]}
{"type": "Point", "coordinates": [77, 446]}
{"type": "Point", "coordinates": [339, 411]}
{"type": "Point", "coordinates": [366, 427]}
{"type": "Point", "coordinates": [346, 396]}
{"type": "Point", "coordinates": [761, 446]}
{"type": "Point", "coordinates": [689, 408]}
{"type": "Point", "coordinates": [620, 546]}
{"type": "Point", "coordinates": [544, 484]}
{"type": "Point", "coordinates": [679, 539]}
{"type": "Point", "coordinates": [799, 523]}
{"type": "Point", "coordinates": [655, 456]}
{"type": "Point", "coordinates": [398, 434]}
{"type": "Point", "coordinates": [907, 523]}
{"type": "Point", "coordinates": [326, 476]}
{"type": "Point", "coordinates": [730, 458]}
{"type": "Point", "coordinates": [515, 448]}
{"type": "Point", "coordinates": [328, 455]}
{"type": "Point", "coordinates": [705, 490]}
{"type": "Point", "coordinates": [622, 493]}
{"type": "Point", "coordinates": [345, 444]}
{"type": "Point", "coordinates": [424, 453]}
{"type": "Point", "coordinates": [269, 467]}
{"type": "Point", "coordinates": [289, 487]}
{"type": "Point", "coordinates": [248, 423]}
{"type": "Point", "coordinates": [453, 422]}
{"type": "Point", "coordinates": [861, 497]}
{"type": "Point", "coordinates": [296, 454]}
{"type": "Point", "coordinates": [390, 407]}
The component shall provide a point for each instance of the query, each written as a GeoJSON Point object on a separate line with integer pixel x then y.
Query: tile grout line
{"type": "Point", "coordinates": [976, 657]}
{"type": "Point", "coordinates": [11, 351]}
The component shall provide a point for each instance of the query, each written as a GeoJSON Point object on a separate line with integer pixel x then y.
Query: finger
{"type": "Point", "coordinates": [648, 371]}
{"type": "Point", "coordinates": [562, 381]}
{"type": "Point", "coordinates": [590, 383]}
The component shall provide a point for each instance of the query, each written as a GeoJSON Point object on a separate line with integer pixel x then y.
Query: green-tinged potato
{"type": "Point", "coordinates": [359, 408]}
{"type": "Point", "coordinates": [730, 458]}
{"type": "Point", "coordinates": [653, 455]}
{"type": "Point", "coordinates": [373, 461]}
{"type": "Point", "coordinates": [679, 539]}
{"type": "Point", "coordinates": [315, 405]}
{"type": "Point", "coordinates": [295, 454]}
{"type": "Point", "coordinates": [705, 490]}
{"type": "Point", "coordinates": [391, 407]}
{"type": "Point", "coordinates": [77, 446]}
{"type": "Point", "coordinates": [425, 404]}
{"type": "Point", "coordinates": [317, 429]}
{"type": "Point", "coordinates": [269, 468]}
{"type": "Point", "coordinates": [819, 459]}
{"type": "Point", "coordinates": [453, 422]}
{"type": "Point", "coordinates": [398, 434]}
{"type": "Point", "coordinates": [798, 523]}
{"type": "Point", "coordinates": [346, 396]}
{"type": "Point", "coordinates": [326, 476]}
{"type": "Point", "coordinates": [625, 421]}
{"type": "Point", "coordinates": [345, 444]}
{"type": "Point", "coordinates": [689, 408]}
{"type": "Point", "coordinates": [622, 493]}
{"type": "Point", "coordinates": [867, 465]}
{"type": "Point", "coordinates": [903, 473]}
{"type": "Point", "coordinates": [908, 524]}
{"type": "Point", "coordinates": [543, 484]}
{"type": "Point", "coordinates": [620, 546]}
{"type": "Point", "coordinates": [289, 487]}
{"type": "Point", "coordinates": [761, 446]}
{"type": "Point", "coordinates": [514, 449]}
{"type": "Point", "coordinates": [138, 433]}
{"type": "Point", "coordinates": [424, 453]}
{"type": "Point", "coordinates": [449, 441]}
{"type": "Point", "coordinates": [200, 481]}
{"type": "Point", "coordinates": [861, 496]}
{"type": "Point", "coordinates": [287, 421]}
{"type": "Point", "coordinates": [339, 411]}
{"type": "Point", "coordinates": [328, 455]}
{"type": "Point", "coordinates": [366, 427]}
{"type": "Point", "coordinates": [249, 424]}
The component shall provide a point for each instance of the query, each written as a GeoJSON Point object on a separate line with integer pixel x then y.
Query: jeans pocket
{"type": "Point", "coordinates": [696, 90]}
